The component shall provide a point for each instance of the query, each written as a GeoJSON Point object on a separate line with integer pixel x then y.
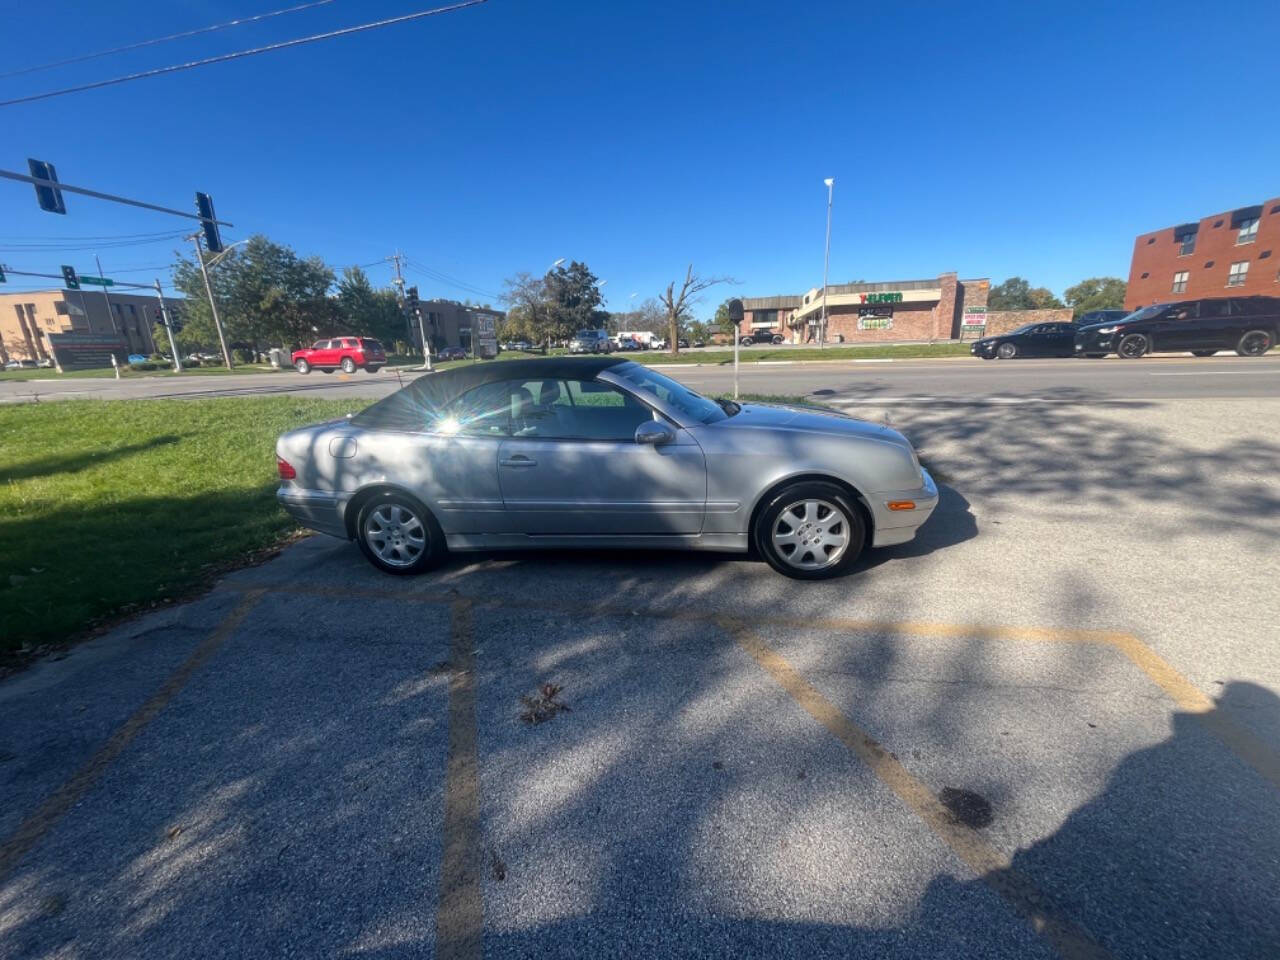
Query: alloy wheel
{"type": "Point", "coordinates": [396, 534]}
{"type": "Point", "coordinates": [811, 534]}
{"type": "Point", "coordinates": [1255, 343]}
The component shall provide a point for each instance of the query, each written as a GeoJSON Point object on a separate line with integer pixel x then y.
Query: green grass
{"type": "Point", "coordinates": [109, 506]}
{"type": "Point", "coordinates": [127, 374]}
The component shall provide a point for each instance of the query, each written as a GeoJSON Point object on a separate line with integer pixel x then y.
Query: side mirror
{"type": "Point", "coordinates": [655, 433]}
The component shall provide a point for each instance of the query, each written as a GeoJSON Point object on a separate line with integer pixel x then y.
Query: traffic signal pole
{"type": "Point", "coordinates": [213, 306]}
{"type": "Point", "coordinates": [168, 328]}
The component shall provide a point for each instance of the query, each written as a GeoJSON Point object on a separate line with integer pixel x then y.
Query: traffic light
{"type": "Point", "coordinates": [2, 280]}
{"type": "Point", "coordinates": [49, 198]}
{"type": "Point", "coordinates": [176, 323]}
{"type": "Point", "coordinates": [411, 302]}
{"type": "Point", "coordinates": [69, 277]}
{"type": "Point", "coordinates": [212, 238]}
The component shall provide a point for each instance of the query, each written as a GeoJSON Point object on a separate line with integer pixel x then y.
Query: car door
{"type": "Point", "coordinates": [1177, 328]}
{"type": "Point", "coordinates": [1060, 339]}
{"type": "Point", "coordinates": [572, 465]}
{"type": "Point", "coordinates": [323, 354]}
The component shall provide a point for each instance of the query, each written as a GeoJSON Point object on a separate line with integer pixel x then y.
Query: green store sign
{"type": "Point", "coordinates": [881, 298]}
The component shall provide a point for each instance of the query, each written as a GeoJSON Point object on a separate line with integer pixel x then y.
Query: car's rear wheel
{"type": "Point", "coordinates": [398, 535]}
{"type": "Point", "coordinates": [810, 531]}
{"type": "Point", "coordinates": [777, 341]}
{"type": "Point", "coordinates": [1133, 346]}
{"type": "Point", "coordinates": [1254, 343]}
{"type": "Point", "coordinates": [302, 366]}
{"type": "Point", "coordinates": [348, 365]}
{"type": "Point", "coordinates": [1203, 353]}
{"type": "Point", "coordinates": [1007, 351]}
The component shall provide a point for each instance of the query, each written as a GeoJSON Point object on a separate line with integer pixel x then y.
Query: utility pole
{"type": "Point", "coordinates": [398, 281]}
{"type": "Point", "coordinates": [826, 266]}
{"type": "Point", "coordinates": [168, 328]}
{"type": "Point", "coordinates": [107, 299]}
{"type": "Point", "coordinates": [213, 306]}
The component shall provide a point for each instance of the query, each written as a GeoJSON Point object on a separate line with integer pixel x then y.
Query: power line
{"type": "Point", "coordinates": [96, 245]}
{"type": "Point", "coordinates": [105, 236]}
{"type": "Point", "coordinates": [223, 58]}
{"type": "Point", "coordinates": [173, 36]}
{"type": "Point", "coordinates": [444, 278]}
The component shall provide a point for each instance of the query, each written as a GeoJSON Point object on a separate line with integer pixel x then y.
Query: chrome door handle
{"type": "Point", "coordinates": [519, 460]}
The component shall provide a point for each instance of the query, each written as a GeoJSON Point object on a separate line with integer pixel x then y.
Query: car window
{"type": "Point", "coordinates": [1215, 308]}
{"type": "Point", "coordinates": [485, 411]}
{"type": "Point", "coordinates": [321, 345]}
{"type": "Point", "coordinates": [1183, 311]}
{"type": "Point", "coordinates": [575, 410]}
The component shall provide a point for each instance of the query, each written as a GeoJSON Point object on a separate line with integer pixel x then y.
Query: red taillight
{"type": "Point", "coordinates": [286, 469]}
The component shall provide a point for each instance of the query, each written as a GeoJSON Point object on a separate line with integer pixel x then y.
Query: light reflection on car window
{"type": "Point", "coordinates": [670, 392]}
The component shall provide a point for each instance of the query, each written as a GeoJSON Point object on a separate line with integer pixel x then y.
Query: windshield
{"type": "Point", "coordinates": [670, 392]}
{"type": "Point", "coordinates": [585, 334]}
{"type": "Point", "coordinates": [1144, 313]}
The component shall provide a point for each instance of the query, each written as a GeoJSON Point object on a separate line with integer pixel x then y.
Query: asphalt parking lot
{"type": "Point", "coordinates": [1050, 726]}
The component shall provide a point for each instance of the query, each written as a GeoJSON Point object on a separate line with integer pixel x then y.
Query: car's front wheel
{"type": "Point", "coordinates": [1007, 351]}
{"type": "Point", "coordinates": [399, 535]}
{"type": "Point", "coordinates": [746, 341]}
{"type": "Point", "coordinates": [302, 366]}
{"type": "Point", "coordinates": [348, 365]}
{"type": "Point", "coordinates": [810, 531]}
{"type": "Point", "coordinates": [1133, 346]}
{"type": "Point", "coordinates": [1254, 343]}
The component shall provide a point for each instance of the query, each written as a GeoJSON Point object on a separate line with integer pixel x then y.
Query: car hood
{"type": "Point", "coordinates": [782, 417]}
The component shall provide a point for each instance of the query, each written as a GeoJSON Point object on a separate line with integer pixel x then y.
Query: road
{"type": "Point", "coordinates": [1049, 726]}
{"type": "Point", "coordinates": [869, 382]}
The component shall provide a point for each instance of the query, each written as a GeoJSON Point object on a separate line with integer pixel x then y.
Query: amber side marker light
{"type": "Point", "coordinates": [902, 504]}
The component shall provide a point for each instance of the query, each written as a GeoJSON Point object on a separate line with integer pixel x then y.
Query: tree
{"type": "Point", "coordinates": [1017, 294]}
{"type": "Point", "coordinates": [1096, 293]}
{"type": "Point", "coordinates": [528, 309]}
{"type": "Point", "coordinates": [722, 321]}
{"type": "Point", "coordinates": [649, 316]}
{"type": "Point", "coordinates": [677, 303]}
{"type": "Point", "coordinates": [367, 311]}
{"type": "Point", "coordinates": [266, 294]}
{"type": "Point", "coordinates": [573, 301]}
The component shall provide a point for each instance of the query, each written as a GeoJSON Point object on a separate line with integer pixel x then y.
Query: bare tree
{"type": "Point", "coordinates": [677, 304]}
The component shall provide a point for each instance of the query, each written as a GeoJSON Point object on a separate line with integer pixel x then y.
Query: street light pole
{"type": "Point", "coordinates": [213, 306]}
{"type": "Point", "coordinates": [168, 328]}
{"type": "Point", "coordinates": [826, 266]}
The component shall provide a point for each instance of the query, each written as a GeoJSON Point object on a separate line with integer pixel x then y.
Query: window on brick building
{"type": "Point", "coordinates": [1180, 281]}
{"type": "Point", "coordinates": [1248, 231]}
{"type": "Point", "coordinates": [1237, 274]}
{"type": "Point", "coordinates": [60, 308]}
{"type": "Point", "coordinates": [1188, 245]}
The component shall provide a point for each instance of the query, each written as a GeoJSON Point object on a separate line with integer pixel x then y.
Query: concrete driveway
{"type": "Point", "coordinates": [1048, 727]}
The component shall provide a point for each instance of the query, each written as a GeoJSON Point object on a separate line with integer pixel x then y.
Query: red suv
{"type": "Point", "coordinates": [341, 353]}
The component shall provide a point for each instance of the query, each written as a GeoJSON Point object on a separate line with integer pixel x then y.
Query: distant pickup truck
{"type": "Point", "coordinates": [761, 335]}
{"type": "Point", "coordinates": [341, 353]}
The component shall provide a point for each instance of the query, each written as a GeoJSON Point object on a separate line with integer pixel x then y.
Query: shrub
{"type": "Point", "coordinates": [148, 365]}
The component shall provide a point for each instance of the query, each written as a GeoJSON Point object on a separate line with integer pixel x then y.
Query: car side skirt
{"type": "Point", "coordinates": [727, 542]}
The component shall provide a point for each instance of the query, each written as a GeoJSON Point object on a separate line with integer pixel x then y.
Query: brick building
{"type": "Point", "coordinates": [27, 319]}
{"type": "Point", "coordinates": [939, 308]}
{"type": "Point", "coordinates": [1236, 251]}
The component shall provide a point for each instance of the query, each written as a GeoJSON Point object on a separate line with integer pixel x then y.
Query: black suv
{"type": "Point", "coordinates": [1249, 325]}
{"type": "Point", "coordinates": [762, 335]}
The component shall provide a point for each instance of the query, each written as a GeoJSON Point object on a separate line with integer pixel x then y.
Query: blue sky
{"type": "Point", "coordinates": [1029, 138]}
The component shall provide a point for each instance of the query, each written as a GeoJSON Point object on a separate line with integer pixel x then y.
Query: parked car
{"type": "Point", "coordinates": [626, 343]}
{"type": "Point", "coordinates": [658, 343]}
{"type": "Point", "coordinates": [20, 365]}
{"type": "Point", "coordinates": [451, 353]}
{"type": "Point", "coordinates": [347, 354]}
{"type": "Point", "coordinates": [1248, 325]}
{"type": "Point", "coordinates": [600, 452]}
{"type": "Point", "coordinates": [520, 345]}
{"type": "Point", "coordinates": [138, 358]}
{"type": "Point", "coordinates": [684, 344]}
{"type": "Point", "coordinates": [591, 341]}
{"type": "Point", "coordinates": [699, 343]}
{"type": "Point", "coordinates": [1032, 340]}
{"type": "Point", "coordinates": [764, 335]}
{"type": "Point", "coordinates": [45, 364]}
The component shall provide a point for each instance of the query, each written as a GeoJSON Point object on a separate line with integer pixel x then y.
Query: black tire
{"type": "Point", "coordinates": [1255, 343]}
{"type": "Point", "coordinates": [386, 510]}
{"type": "Point", "coordinates": [372, 369]}
{"type": "Point", "coordinates": [746, 341]}
{"type": "Point", "coordinates": [1133, 346]}
{"type": "Point", "coordinates": [348, 365]}
{"type": "Point", "coordinates": [1007, 351]}
{"type": "Point", "coordinates": [1203, 353]}
{"type": "Point", "coordinates": [777, 341]}
{"type": "Point", "coordinates": [302, 367]}
{"type": "Point", "coordinates": [783, 503]}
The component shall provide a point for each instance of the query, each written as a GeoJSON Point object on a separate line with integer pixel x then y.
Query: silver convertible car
{"type": "Point", "coordinates": [600, 452]}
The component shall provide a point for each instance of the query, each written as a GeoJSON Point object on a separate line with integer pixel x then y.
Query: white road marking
{"type": "Point", "coordinates": [1221, 373]}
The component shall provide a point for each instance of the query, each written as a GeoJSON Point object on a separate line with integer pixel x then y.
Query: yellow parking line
{"type": "Point", "coordinates": [1189, 697]}
{"type": "Point", "coordinates": [34, 827]}
{"type": "Point", "coordinates": [1071, 941]}
{"type": "Point", "coordinates": [460, 910]}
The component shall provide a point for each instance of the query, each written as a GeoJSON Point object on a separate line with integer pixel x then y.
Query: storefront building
{"type": "Point", "coordinates": [27, 319]}
{"type": "Point", "coordinates": [940, 308]}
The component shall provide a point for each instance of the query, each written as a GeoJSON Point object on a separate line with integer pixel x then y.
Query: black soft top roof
{"type": "Point", "coordinates": [430, 394]}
